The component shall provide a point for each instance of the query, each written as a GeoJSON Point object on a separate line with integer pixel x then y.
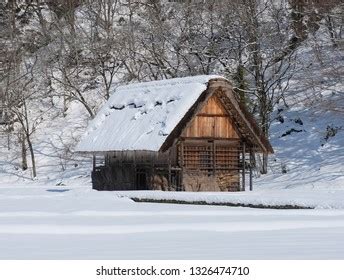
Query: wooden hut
{"type": "Point", "coordinates": [184, 134]}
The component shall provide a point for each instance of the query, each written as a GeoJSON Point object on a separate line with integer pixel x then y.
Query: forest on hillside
{"type": "Point", "coordinates": [57, 53]}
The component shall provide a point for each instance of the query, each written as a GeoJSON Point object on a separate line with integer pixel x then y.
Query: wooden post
{"type": "Point", "coordinates": [169, 171]}
{"type": "Point", "coordinates": [134, 178]}
{"type": "Point", "coordinates": [151, 173]}
{"type": "Point", "coordinates": [169, 177]}
{"type": "Point", "coordinates": [181, 162]}
{"type": "Point", "coordinates": [214, 158]}
{"type": "Point", "coordinates": [251, 183]}
{"type": "Point", "coordinates": [251, 171]}
{"type": "Point", "coordinates": [94, 162]}
{"type": "Point", "coordinates": [243, 166]}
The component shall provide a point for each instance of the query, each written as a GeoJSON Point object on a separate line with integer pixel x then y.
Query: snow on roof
{"type": "Point", "coordinates": [140, 116]}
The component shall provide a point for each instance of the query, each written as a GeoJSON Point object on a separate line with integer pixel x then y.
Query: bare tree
{"type": "Point", "coordinates": [263, 68]}
{"type": "Point", "coordinates": [24, 99]}
{"type": "Point", "coordinates": [104, 41]}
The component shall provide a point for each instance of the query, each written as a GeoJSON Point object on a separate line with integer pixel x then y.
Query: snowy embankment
{"type": "Point", "coordinates": [38, 222]}
{"type": "Point", "coordinates": [283, 199]}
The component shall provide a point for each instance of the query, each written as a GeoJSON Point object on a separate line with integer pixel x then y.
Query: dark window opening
{"type": "Point", "coordinates": [141, 179]}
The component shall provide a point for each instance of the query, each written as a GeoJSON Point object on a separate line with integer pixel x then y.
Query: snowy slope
{"type": "Point", "coordinates": [304, 159]}
{"type": "Point", "coordinates": [308, 136]}
{"type": "Point", "coordinates": [53, 142]}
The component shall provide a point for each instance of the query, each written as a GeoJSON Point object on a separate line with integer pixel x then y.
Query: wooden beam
{"type": "Point", "coordinates": [251, 170]}
{"type": "Point", "coordinates": [225, 140]}
{"type": "Point", "coordinates": [169, 171]}
{"type": "Point", "coordinates": [213, 115]}
{"type": "Point", "coordinates": [251, 181]}
{"type": "Point", "coordinates": [181, 162]}
{"type": "Point", "coordinates": [94, 162]}
{"type": "Point", "coordinates": [243, 165]}
{"type": "Point", "coordinates": [214, 158]}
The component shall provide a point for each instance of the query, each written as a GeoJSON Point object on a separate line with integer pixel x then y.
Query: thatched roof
{"type": "Point", "coordinates": [151, 116]}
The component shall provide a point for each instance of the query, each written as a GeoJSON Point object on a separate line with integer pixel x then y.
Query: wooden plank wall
{"type": "Point", "coordinates": [212, 121]}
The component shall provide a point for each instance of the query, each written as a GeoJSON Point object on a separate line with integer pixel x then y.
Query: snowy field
{"type": "Point", "coordinates": [319, 199]}
{"type": "Point", "coordinates": [78, 223]}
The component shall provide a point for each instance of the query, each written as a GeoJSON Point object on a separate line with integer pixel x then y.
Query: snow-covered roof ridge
{"type": "Point", "coordinates": [141, 116]}
{"type": "Point", "coordinates": [170, 82]}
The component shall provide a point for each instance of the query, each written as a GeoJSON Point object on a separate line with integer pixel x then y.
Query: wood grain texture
{"type": "Point", "coordinates": [212, 121]}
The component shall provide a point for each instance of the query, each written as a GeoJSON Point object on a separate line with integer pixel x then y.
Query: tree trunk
{"type": "Point", "coordinates": [331, 30]}
{"type": "Point", "coordinates": [259, 72]}
{"type": "Point", "coordinates": [32, 154]}
{"type": "Point", "coordinates": [264, 122]}
{"type": "Point", "coordinates": [265, 164]}
{"type": "Point", "coordinates": [23, 151]}
{"type": "Point", "coordinates": [65, 106]}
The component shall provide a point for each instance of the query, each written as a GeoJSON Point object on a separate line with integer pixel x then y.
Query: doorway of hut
{"type": "Point", "coordinates": [141, 180]}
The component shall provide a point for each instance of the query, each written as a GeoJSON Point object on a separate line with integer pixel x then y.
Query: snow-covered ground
{"type": "Point", "coordinates": [308, 157]}
{"type": "Point", "coordinates": [317, 199]}
{"type": "Point", "coordinates": [39, 222]}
